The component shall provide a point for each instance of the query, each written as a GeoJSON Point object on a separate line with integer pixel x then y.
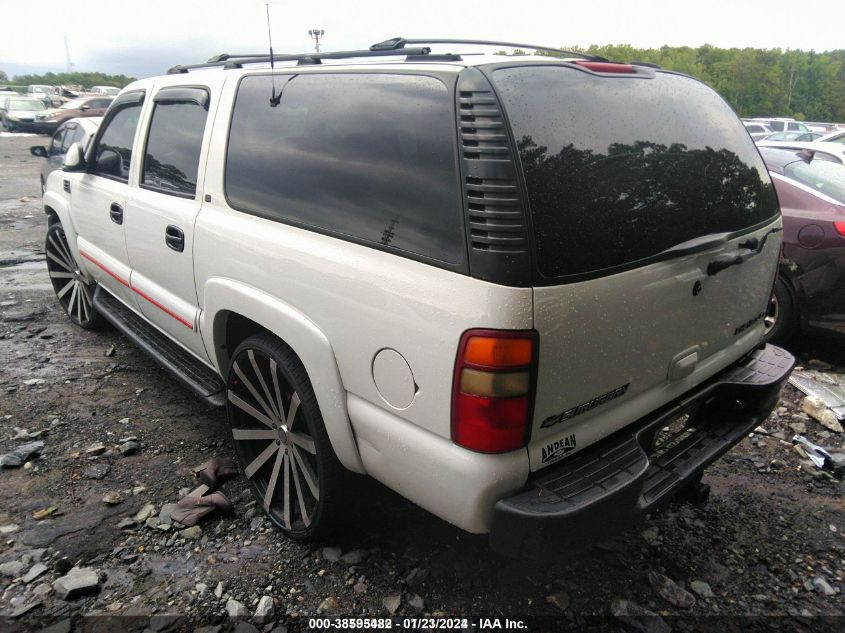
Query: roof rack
{"type": "Point", "coordinates": [229, 61]}
{"type": "Point", "coordinates": [399, 43]}
{"type": "Point", "coordinates": [389, 48]}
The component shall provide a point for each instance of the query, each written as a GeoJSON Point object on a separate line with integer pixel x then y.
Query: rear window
{"type": "Point", "coordinates": [619, 170]}
{"type": "Point", "coordinates": [369, 157]}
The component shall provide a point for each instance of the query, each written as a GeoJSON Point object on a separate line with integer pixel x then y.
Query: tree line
{"type": "Point", "coordinates": [805, 85]}
{"type": "Point", "coordinates": [68, 79]}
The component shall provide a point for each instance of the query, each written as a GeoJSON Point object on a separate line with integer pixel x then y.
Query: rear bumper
{"type": "Point", "coordinates": [602, 489]}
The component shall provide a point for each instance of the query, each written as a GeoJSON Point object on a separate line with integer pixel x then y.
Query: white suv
{"type": "Point", "coordinates": [489, 282]}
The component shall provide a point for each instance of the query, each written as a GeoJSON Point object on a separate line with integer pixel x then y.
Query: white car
{"type": "Point", "coordinates": [756, 130]}
{"type": "Point", "coordinates": [835, 149]}
{"type": "Point", "coordinates": [491, 300]}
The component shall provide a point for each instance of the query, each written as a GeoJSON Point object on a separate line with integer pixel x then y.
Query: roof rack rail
{"type": "Point", "coordinates": [399, 43]}
{"type": "Point", "coordinates": [228, 61]}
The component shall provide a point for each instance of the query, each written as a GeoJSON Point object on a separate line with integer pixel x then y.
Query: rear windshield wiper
{"type": "Point", "coordinates": [697, 244]}
{"type": "Point", "coordinates": [752, 246]}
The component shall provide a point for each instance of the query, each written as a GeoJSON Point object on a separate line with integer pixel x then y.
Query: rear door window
{"type": "Point", "coordinates": [367, 157]}
{"type": "Point", "coordinates": [619, 170]}
{"type": "Point", "coordinates": [174, 141]}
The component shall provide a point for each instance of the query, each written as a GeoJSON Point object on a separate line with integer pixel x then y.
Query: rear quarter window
{"type": "Point", "coordinates": [618, 170]}
{"type": "Point", "coordinates": [369, 157]}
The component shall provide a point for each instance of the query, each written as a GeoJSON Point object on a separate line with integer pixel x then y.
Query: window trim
{"type": "Point", "coordinates": [183, 98]}
{"type": "Point", "coordinates": [126, 100]}
{"type": "Point", "coordinates": [449, 80]}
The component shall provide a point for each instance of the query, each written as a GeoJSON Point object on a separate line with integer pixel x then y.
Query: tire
{"type": "Point", "coordinates": [280, 439]}
{"type": "Point", "coordinates": [781, 318]}
{"type": "Point", "coordinates": [74, 292]}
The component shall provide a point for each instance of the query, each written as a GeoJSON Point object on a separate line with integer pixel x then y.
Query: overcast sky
{"type": "Point", "coordinates": [147, 37]}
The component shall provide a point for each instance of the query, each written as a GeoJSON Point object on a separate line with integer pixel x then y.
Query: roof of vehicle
{"type": "Point", "coordinates": [90, 123]}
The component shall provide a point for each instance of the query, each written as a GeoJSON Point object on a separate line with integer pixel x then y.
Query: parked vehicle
{"type": "Point", "coordinates": [782, 124]}
{"type": "Point", "coordinates": [104, 90]}
{"type": "Point", "coordinates": [757, 130]}
{"type": "Point", "coordinates": [488, 282]}
{"type": "Point", "coordinates": [792, 136]}
{"type": "Point", "coordinates": [50, 95]}
{"type": "Point", "coordinates": [19, 113]}
{"type": "Point", "coordinates": [74, 131]}
{"type": "Point", "coordinates": [49, 120]}
{"type": "Point", "coordinates": [833, 151]}
{"type": "Point", "coordinates": [808, 293]}
{"type": "Point", "coordinates": [834, 137]}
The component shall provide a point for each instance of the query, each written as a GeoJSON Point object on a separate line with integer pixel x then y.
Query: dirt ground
{"type": "Point", "coordinates": [769, 543]}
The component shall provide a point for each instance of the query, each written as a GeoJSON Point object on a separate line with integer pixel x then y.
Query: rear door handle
{"type": "Point", "coordinates": [174, 237]}
{"type": "Point", "coordinates": [116, 213]}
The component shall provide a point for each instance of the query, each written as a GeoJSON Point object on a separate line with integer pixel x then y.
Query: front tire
{"type": "Point", "coordinates": [280, 439]}
{"type": "Point", "coordinates": [74, 292]}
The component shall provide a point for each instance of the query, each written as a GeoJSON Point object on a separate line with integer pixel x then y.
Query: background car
{"type": "Point", "coordinates": [19, 113]}
{"type": "Point", "coordinates": [808, 292]}
{"type": "Point", "coordinates": [778, 124]}
{"type": "Point", "coordinates": [757, 130]}
{"type": "Point", "coordinates": [834, 137]}
{"type": "Point", "coordinates": [831, 151]}
{"type": "Point", "coordinates": [793, 136]}
{"type": "Point", "coordinates": [104, 90]}
{"type": "Point", "coordinates": [50, 120]}
{"type": "Point", "coordinates": [74, 131]}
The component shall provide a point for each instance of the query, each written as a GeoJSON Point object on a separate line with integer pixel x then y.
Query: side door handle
{"type": "Point", "coordinates": [116, 213]}
{"type": "Point", "coordinates": [174, 237]}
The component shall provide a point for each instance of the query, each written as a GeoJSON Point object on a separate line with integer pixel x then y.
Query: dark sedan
{"type": "Point", "coordinates": [809, 293]}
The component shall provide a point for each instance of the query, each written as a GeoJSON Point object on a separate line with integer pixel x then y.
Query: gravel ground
{"type": "Point", "coordinates": [769, 542]}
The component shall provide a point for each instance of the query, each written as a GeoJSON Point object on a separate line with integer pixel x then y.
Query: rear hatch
{"type": "Point", "coordinates": [642, 186]}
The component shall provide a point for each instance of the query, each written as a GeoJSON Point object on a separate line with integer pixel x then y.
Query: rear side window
{"type": "Point", "coordinates": [619, 170]}
{"type": "Point", "coordinates": [369, 157]}
{"type": "Point", "coordinates": [114, 149]}
{"type": "Point", "coordinates": [173, 145]}
{"type": "Point", "coordinates": [777, 126]}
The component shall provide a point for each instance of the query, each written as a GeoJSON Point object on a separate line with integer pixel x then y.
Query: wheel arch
{"type": "Point", "coordinates": [233, 311]}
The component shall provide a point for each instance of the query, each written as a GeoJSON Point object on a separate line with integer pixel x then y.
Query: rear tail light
{"type": "Point", "coordinates": [840, 227]}
{"type": "Point", "coordinates": [493, 389]}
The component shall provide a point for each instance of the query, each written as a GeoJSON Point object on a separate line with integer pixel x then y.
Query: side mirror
{"type": "Point", "coordinates": [38, 150]}
{"type": "Point", "coordinates": [85, 107]}
{"type": "Point", "coordinates": [74, 160]}
{"type": "Point", "coordinates": [109, 162]}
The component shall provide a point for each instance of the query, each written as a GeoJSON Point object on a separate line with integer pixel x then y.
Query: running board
{"type": "Point", "coordinates": [193, 374]}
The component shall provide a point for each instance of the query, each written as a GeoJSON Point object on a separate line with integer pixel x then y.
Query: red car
{"type": "Point", "coordinates": [809, 294]}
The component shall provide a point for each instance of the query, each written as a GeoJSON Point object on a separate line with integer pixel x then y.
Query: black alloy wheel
{"type": "Point", "coordinates": [74, 292]}
{"type": "Point", "coordinates": [280, 439]}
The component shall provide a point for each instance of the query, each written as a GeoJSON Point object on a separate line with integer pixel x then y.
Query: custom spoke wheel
{"type": "Point", "coordinates": [74, 291]}
{"type": "Point", "coordinates": [279, 437]}
{"type": "Point", "coordinates": [781, 318]}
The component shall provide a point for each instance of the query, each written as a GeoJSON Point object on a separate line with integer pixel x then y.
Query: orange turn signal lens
{"type": "Point", "coordinates": [498, 352]}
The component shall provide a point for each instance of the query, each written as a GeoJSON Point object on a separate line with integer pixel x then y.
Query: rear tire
{"type": "Point", "coordinates": [781, 318]}
{"type": "Point", "coordinates": [281, 441]}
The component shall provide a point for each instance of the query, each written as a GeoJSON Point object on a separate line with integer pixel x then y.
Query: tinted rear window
{"type": "Point", "coordinates": [620, 169]}
{"type": "Point", "coordinates": [366, 156]}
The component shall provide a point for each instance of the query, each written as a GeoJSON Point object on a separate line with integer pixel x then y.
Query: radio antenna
{"type": "Point", "coordinates": [274, 100]}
